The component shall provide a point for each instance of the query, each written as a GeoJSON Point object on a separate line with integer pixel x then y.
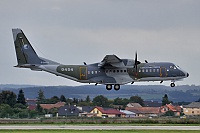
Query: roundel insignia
{"type": "Point", "coordinates": [26, 46]}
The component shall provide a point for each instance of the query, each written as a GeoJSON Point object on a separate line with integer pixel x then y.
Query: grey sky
{"type": "Point", "coordinates": [73, 31]}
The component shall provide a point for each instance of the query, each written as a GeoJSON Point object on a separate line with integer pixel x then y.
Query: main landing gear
{"type": "Point", "coordinates": [172, 84]}
{"type": "Point", "coordinates": [116, 87]}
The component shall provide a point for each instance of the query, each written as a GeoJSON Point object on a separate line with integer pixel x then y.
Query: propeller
{"type": "Point", "coordinates": [136, 62]}
{"type": "Point", "coordinates": [135, 65]}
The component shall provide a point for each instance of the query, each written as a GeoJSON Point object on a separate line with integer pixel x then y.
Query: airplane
{"type": "Point", "coordinates": [111, 71]}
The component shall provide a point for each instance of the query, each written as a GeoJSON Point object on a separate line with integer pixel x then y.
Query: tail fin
{"type": "Point", "coordinates": [24, 51]}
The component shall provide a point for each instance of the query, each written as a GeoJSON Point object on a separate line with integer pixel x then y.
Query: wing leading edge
{"type": "Point", "coordinates": [109, 60]}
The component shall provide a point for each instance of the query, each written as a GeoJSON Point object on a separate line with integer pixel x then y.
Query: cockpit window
{"type": "Point", "coordinates": [173, 67]}
{"type": "Point", "coordinates": [178, 67]}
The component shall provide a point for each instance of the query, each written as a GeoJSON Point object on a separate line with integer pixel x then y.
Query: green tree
{"type": "Point", "coordinates": [39, 109]}
{"type": "Point", "coordinates": [19, 105]}
{"type": "Point", "coordinates": [53, 100]}
{"type": "Point", "coordinates": [165, 100]}
{"type": "Point", "coordinates": [198, 100]}
{"type": "Point", "coordinates": [62, 98]}
{"type": "Point", "coordinates": [88, 99]}
{"type": "Point", "coordinates": [69, 101]}
{"type": "Point", "coordinates": [21, 98]}
{"type": "Point", "coordinates": [118, 101]}
{"type": "Point", "coordinates": [41, 97]}
{"type": "Point", "coordinates": [101, 101]}
{"type": "Point", "coordinates": [6, 111]}
{"type": "Point", "coordinates": [75, 101]}
{"type": "Point", "coordinates": [8, 97]}
{"type": "Point", "coordinates": [137, 99]}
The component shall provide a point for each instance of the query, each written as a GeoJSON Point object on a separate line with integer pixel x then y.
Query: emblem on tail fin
{"type": "Point", "coordinates": [25, 46]}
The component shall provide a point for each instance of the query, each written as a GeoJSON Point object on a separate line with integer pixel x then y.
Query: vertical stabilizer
{"type": "Point", "coordinates": [24, 51]}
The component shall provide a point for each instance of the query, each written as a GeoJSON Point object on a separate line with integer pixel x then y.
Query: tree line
{"type": "Point", "coordinates": [12, 105]}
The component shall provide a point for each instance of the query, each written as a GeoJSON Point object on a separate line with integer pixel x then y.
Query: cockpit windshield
{"type": "Point", "coordinates": [178, 67]}
{"type": "Point", "coordinates": [174, 67]}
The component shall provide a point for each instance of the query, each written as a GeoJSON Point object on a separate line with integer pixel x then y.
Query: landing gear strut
{"type": "Point", "coordinates": [172, 84]}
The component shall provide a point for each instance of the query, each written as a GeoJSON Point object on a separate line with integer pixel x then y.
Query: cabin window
{"type": "Point", "coordinates": [106, 71]}
{"type": "Point", "coordinates": [95, 72]}
{"type": "Point", "coordinates": [113, 71]}
{"type": "Point", "coordinates": [154, 70]}
{"type": "Point", "coordinates": [139, 70]}
{"type": "Point", "coordinates": [121, 71]}
{"type": "Point", "coordinates": [117, 70]}
{"type": "Point", "coordinates": [158, 70]}
{"type": "Point", "coordinates": [146, 70]}
{"type": "Point", "coordinates": [124, 70]}
{"type": "Point", "coordinates": [142, 70]}
{"type": "Point", "coordinates": [92, 72]}
{"type": "Point", "coordinates": [110, 71]}
{"type": "Point", "coordinates": [150, 70]}
{"type": "Point", "coordinates": [88, 72]}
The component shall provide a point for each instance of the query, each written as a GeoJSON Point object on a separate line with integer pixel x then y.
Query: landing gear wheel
{"type": "Point", "coordinates": [172, 84]}
{"type": "Point", "coordinates": [109, 87]}
{"type": "Point", "coordinates": [117, 87]}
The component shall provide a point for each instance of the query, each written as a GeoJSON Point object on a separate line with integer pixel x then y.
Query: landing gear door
{"type": "Point", "coordinates": [83, 73]}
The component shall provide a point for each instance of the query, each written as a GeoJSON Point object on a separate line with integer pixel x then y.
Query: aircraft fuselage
{"type": "Point", "coordinates": [110, 71]}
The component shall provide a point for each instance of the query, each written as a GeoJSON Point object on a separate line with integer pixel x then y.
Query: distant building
{"type": "Point", "coordinates": [51, 106]}
{"type": "Point", "coordinates": [192, 108]}
{"type": "Point", "coordinates": [170, 107]}
{"type": "Point", "coordinates": [128, 114]}
{"type": "Point", "coordinates": [133, 105]}
{"type": "Point", "coordinates": [31, 101]}
{"type": "Point", "coordinates": [32, 104]}
{"type": "Point", "coordinates": [144, 111]}
{"type": "Point", "coordinates": [68, 111]}
{"type": "Point", "coordinates": [152, 104]}
{"type": "Point", "coordinates": [85, 111]}
{"type": "Point", "coordinates": [106, 112]}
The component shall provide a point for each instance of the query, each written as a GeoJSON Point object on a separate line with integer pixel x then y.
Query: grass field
{"type": "Point", "coordinates": [96, 131]}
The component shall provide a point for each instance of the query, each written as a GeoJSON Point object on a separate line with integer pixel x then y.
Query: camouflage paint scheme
{"type": "Point", "coordinates": [110, 71]}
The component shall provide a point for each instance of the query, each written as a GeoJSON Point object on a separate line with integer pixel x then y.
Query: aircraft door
{"type": "Point", "coordinates": [163, 72]}
{"type": "Point", "coordinates": [83, 73]}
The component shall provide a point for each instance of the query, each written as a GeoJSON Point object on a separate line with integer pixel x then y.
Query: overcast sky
{"type": "Point", "coordinates": [74, 31]}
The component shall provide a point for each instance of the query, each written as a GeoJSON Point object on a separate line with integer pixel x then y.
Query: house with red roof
{"type": "Point", "coordinates": [170, 107]}
{"type": "Point", "coordinates": [106, 112]}
{"type": "Point", "coordinates": [31, 104]}
{"type": "Point", "coordinates": [50, 106]}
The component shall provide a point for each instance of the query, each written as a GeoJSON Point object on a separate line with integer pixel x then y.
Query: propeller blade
{"type": "Point", "coordinates": [136, 62]}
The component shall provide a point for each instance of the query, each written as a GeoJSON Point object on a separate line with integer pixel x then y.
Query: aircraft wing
{"type": "Point", "coordinates": [109, 60]}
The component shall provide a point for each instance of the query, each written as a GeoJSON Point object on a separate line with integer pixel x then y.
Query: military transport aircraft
{"type": "Point", "coordinates": [111, 71]}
